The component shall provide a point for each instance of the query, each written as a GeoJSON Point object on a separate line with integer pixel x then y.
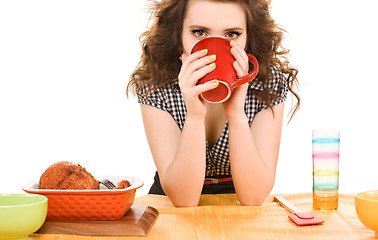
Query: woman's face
{"type": "Point", "coordinates": [206, 18]}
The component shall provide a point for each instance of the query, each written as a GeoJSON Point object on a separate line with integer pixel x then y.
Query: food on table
{"type": "Point", "coordinates": [123, 184]}
{"type": "Point", "coordinates": [66, 175]}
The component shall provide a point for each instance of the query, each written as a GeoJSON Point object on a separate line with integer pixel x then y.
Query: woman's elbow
{"type": "Point", "coordinates": [184, 202]}
{"type": "Point", "coordinates": [252, 202]}
{"type": "Point", "coordinates": [182, 199]}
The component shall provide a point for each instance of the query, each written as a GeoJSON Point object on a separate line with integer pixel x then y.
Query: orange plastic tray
{"type": "Point", "coordinates": [102, 204]}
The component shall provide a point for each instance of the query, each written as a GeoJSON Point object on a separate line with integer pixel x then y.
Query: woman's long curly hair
{"type": "Point", "coordinates": [161, 44]}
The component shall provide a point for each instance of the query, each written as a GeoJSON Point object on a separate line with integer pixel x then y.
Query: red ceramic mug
{"type": "Point", "coordinates": [224, 71]}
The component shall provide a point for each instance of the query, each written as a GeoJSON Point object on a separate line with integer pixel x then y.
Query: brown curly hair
{"type": "Point", "coordinates": [160, 62]}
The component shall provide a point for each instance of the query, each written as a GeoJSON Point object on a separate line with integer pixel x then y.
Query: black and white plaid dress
{"type": "Point", "coordinates": [169, 98]}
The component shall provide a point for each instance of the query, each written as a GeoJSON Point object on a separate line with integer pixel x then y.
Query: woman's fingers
{"type": "Point", "coordinates": [242, 63]}
{"type": "Point", "coordinates": [196, 66]}
{"type": "Point", "coordinates": [239, 71]}
{"type": "Point", "coordinates": [201, 72]}
{"type": "Point", "coordinates": [206, 87]}
{"type": "Point", "coordinates": [187, 59]}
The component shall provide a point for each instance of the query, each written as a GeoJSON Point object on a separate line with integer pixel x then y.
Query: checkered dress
{"type": "Point", "coordinates": [169, 98]}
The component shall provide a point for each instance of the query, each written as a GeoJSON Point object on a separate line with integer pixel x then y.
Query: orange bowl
{"type": "Point", "coordinates": [102, 204]}
{"type": "Point", "coordinates": [367, 209]}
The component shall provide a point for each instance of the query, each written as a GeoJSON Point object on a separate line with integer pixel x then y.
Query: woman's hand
{"type": "Point", "coordinates": [234, 106]}
{"type": "Point", "coordinates": [194, 67]}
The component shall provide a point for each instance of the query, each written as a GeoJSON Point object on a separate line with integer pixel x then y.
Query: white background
{"type": "Point", "coordinates": [64, 67]}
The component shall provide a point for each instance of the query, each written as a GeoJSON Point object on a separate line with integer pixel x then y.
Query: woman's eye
{"type": "Point", "coordinates": [199, 33]}
{"type": "Point", "coordinates": [232, 35]}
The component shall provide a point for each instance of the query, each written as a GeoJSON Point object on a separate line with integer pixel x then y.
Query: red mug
{"type": "Point", "coordinates": [224, 71]}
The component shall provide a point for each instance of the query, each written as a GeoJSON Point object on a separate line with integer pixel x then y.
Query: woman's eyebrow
{"type": "Point", "coordinates": [234, 29]}
{"type": "Point", "coordinates": [198, 27]}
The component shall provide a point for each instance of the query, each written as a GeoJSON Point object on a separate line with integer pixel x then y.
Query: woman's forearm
{"type": "Point", "coordinates": [184, 177]}
{"type": "Point", "coordinates": [253, 177]}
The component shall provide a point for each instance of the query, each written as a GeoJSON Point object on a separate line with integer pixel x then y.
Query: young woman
{"type": "Point", "coordinates": [199, 147]}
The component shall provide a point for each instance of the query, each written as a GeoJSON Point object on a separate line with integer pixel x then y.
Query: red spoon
{"type": "Point", "coordinates": [299, 217]}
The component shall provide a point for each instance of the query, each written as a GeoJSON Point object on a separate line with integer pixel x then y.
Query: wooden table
{"type": "Point", "coordinates": [222, 217]}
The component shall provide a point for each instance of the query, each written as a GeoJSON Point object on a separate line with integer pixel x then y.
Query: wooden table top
{"type": "Point", "coordinates": [222, 217]}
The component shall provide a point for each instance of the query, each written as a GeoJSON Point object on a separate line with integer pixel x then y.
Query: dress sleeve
{"type": "Point", "coordinates": [153, 98]}
{"type": "Point", "coordinates": [278, 85]}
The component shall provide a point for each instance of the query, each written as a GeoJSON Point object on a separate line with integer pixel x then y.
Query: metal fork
{"type": "Point", "coordinates": [108, 184]}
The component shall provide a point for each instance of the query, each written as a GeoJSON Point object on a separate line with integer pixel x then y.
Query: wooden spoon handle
{"type": "Point", "coordinates": [286, 204]}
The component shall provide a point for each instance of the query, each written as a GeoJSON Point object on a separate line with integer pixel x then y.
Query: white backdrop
{"type": "Point", "coordinates": [64, 67]}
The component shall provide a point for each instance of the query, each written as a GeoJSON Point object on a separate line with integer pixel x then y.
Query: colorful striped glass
{"type": "Point", "coordinates": [325, 158]}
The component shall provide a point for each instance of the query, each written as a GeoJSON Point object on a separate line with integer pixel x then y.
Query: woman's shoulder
{"type": "Point", "coordinates": [158, 96]}
{"type": "Point", "coordinates": [147, 89]}
{"type": "Point", "coordinates": [276, 80]}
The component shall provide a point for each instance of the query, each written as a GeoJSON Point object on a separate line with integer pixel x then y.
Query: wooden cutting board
{"type": "Point", "coordinates": [137, 221]}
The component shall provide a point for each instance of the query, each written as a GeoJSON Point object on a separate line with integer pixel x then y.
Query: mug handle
{"type": "Point", "coordinates": [250, 76]}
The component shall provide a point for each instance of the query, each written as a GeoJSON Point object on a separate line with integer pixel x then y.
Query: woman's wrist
{"type": "Point", "coordinates": [237, 118]}
{"type": "Point", "coordinates": [194, 119]}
